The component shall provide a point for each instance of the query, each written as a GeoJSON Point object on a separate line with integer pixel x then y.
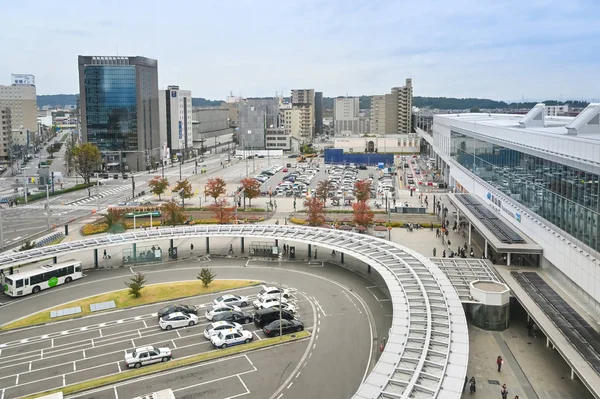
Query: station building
{"type": "Point", "coordinates": [528, 185]}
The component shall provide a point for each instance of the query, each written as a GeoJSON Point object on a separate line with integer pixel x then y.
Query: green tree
{"type": "Point", "coordinates": [206, 276]}
{"type": "Point", "coordinates": [172, 213]}
{"type": "Point", "coordinates": [322, 190]}
{"type": "Point", "coordinates": [184, 189]}
{"type": "Point", "coordinates": [114, 220]}
{"type": "Point", "coordinates": [51, 150]}
{"type": "Point", "coordinates": [136, 284]}
{"type": "Point", "coordinates": [158, 185]}
{"type": "Point", "coordinates": [27, 246]}
{"type": "Point", "coordinates": [86, 158]}
{"type": "Point", "coordinates": [474, 109]}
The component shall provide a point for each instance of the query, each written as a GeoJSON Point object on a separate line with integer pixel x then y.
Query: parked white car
{"type": "Point", "coordinates": [177, 319]}
{"type": "Point", "coordinates": [285, 306]}
{"type": "Point", "coordinates": [229, 338]}
{"type": "Point", "coordinates": [147, 355]}
{"type": "Point", "coordinates": [265, 300]}
{"type": "Point", "coordinates": [230, 299]}
{"type": "Point", "coordinates": [216, 309]}
{"type": "Point", "coordinates": [218, 326]}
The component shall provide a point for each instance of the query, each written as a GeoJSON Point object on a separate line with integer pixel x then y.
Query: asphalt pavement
{"type": "Point", "coordinates": [343, 315]}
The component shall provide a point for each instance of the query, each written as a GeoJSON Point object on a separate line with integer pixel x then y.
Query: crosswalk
{"type": "Point", "coordinates": [114, 194]}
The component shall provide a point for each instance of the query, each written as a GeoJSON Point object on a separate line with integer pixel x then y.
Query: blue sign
{"type": "Point", "coordinates": [173, 93]}
{"type": "Point", "coordinates": [518, 217]}
{"type": "Point", "coordinates": [180, 130]}
{"type": "Point", "coordinates": [489, 196]}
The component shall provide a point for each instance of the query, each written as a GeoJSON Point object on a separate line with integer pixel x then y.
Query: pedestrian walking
{"type": "Point", "coordinates": [104, 256]}
{"type": "Point", "coordinates": [499, 362]}
{"type": "Point", "coordinates": [472, 254]}
{"type": "Point", "coordinates": [444, 254]}
{"type": "Point", "coordinates": [472, 385]}
{"type": "Point", "coordinates": [315, 253]}
{"type": "Point", "coordinates": [191, 247]}
{"type": "Point", "coordinates": [434, 251]}
{"type": "Point", "coordinates": [449, 243]}
{"type": "Point", "coordinates": [504, 392]}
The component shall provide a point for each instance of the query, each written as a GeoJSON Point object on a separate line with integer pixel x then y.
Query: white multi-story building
{"type": "Point", "coordinates": [21, 98]}
{"type": "Point", "coordinates": [346, 117]}
{"type": "Point", "coordinates": [175, 120]}
{"type": "Point", "coordinates": [5, 133]}
{"type": "Point", "coordinates": [304, 101]}
{"type": "Point", "coordinates": [542, 174]}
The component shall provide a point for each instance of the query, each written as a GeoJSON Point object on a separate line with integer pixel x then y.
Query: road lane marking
{"type": "Point", "coordinates": [74, 367]}
{"type": "Point", "coordinates": [173, 342]}
{"type": "Point", "coordinates": [242, 381]}
{"type": "Point", "coordinates": [29, 366]}
{"type": "Point", "coordinates": [116, 394]}
{"type": "Point", "coordinates": [17, 380]}
{"type": "Point", "coordinates": [145, 324]}
{"type": "Point", "coordinates": [42, 354]}
{"type": "Point", "coordinates": [249, 361]}
{"type": "Point", "coordinates": [100, 331]}
{"type": "Point", "coordinates": [256, 335]}
{"type": "Point", "coordinates": [289, 386]}
{"type": "Point", "coordinates": [132, 343]}
{"type": "Point", "coordinates": [52, 343]}
{"type": "Point", "coordinates": [119, 366]}
{"type": "Point", "coordinates": [64, 380]}
{"type": "Point", "coordinates": [2, 394]}
{"type": "Point", "coordinates": [280, 395]}
{"type": "Point", "coordinates": [140, 333]}
{"type": "Point", "coordinates": [179, 335]}
{"type": "Point", "coordinates": [83, 350]}
{"type": "Point", "coordinates": [314, 345]}
{"type": "Point", "coordinates": [318, 330]}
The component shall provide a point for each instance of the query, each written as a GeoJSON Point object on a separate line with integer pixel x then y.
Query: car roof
{"type": "Point", "coordinates": [144, 348]}
{"type": "Point", "coordinates": [175, 314]}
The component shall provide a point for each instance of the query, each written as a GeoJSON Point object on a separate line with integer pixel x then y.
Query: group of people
{"type": "Point", "coordinates": [473, 383]}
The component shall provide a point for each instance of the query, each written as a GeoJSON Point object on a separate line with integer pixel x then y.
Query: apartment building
{"type": "Point", "coordinates": [21, 98]}
{"type": "Point", "coordinates": [256, 115]}
{"type": "Point", "coordinates": [5, 134]}
{"type": "Point", "coordinates": [318, 112]}
{"type": "Point", "coordinates": [304, 101]}
{"type": "Point", "coordinates": [392, 113]}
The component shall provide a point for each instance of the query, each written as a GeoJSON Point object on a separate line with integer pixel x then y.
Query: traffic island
{"type": "Point", "coordinates": [154, 293]}
{"type": "Point", "coordinates": [173, 364]}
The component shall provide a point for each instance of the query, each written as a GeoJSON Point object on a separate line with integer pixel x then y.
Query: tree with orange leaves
{"type": "Point", "coordinates": [363, 215]}
{"type": "Point", "coordinates": [223, 212]}
{"type": "Point", "coordinates": [314, 211]}
{"type": "Point", "coordinates": [250, 188]}
{"type": "Point", "coordinates": [215, 188]}
{"type": "Point", "coordinates": [362, 190]}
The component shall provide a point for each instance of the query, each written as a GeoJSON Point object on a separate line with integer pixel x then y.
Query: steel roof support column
{"type": "Point", "coordinates": [96, 258]}
{"type": "Point", "coordinates": [342, 258]}
{"type": "Point", "coordinates": [242, 244]}
{"type": "Point", "coordinates": [309, 251]}
{"type": "Point", "coordinates": [134, 253]}
{"type": "Point", "coordinates": [207, 245]}
{"type": "Point", "coordinates": [55, 259]}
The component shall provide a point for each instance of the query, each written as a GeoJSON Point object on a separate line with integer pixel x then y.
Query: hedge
{"type": "Point", "coordinates": [208, 209]}
{"type": "Point", "coordinates": [35, 197]}
{"type": "Point", "coordinates": [297, 221]}
{"type": "Point", "coordinates": [94, 228]}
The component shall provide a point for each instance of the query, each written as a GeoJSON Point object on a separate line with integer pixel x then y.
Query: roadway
{"type": "Point", "coordinates": [328, 297]}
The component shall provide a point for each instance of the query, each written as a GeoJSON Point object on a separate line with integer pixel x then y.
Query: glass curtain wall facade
{"type": "Point", "coordinates": [111, 107]}
{"type": "Point", "coordinates": [565, 196]}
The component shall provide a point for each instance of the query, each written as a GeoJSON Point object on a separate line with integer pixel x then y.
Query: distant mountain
{"type": "Point", "coordinates": [57, 100]}
{"type": "Point", "coordinates": [203, 102]}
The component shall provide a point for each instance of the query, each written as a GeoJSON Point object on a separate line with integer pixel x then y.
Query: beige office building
{"type": "Point", "coordinates": [304, 101]}
{"type": "Point", "coordinates": [22, 101]}
{"type": "Point", "coordinates": [391, 113]}
{"type": "Point", "coordinates": [5, 133]}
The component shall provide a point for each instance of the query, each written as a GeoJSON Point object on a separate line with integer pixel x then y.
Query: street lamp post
{"type": "Point", "coordinates": [280, 257]}
{"type": "Point", "coordinates": [48, 206]}
{"type": "Point", "coordinates": [180, 169]}
{"type": "Point", "coordinates": [132, 188]}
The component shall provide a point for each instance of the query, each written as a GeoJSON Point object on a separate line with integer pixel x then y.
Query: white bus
{"type": "Point", "coordinates": [25, 282]}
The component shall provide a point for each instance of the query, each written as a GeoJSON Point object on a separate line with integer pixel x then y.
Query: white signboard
{"type": "Point", "coordinates": [22, 79]}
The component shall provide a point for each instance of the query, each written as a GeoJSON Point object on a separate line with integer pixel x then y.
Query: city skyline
{"type": "Point", "coordinates": [356, 48]}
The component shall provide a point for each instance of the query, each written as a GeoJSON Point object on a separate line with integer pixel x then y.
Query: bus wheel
{"type": "Point", "coordinates": [36, 289]}
{"type": "Point", "coordinates": [68, 280]}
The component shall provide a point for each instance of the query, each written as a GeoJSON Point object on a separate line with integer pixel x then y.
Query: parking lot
{"type": "Point", "coordinates": [295, 179]}
{"type": "Point", "coordinates": [48, 357]}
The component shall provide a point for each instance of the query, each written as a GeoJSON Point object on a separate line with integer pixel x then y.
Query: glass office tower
{"type": "Point", "coordinates": [119, 110]}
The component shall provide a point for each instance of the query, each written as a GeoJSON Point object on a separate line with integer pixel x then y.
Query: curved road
{"type": "Point", "coordinates": [346, 320]}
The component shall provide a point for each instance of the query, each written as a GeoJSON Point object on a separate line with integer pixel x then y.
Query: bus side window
{"type": "Point", "coordinates": [19, 283]}
{"type": "Point", "coordinates": [26, 281]}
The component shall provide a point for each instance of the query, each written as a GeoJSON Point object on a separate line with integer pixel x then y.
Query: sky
{"type": "Point", "coordinates": [504, 50]}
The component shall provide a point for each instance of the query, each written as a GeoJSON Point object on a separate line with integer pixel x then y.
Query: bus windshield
{"type": "Point", "coordinates": [8, 281]}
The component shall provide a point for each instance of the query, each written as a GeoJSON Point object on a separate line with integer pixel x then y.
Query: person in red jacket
{"type": "Point", "coordinates": [499, 362]}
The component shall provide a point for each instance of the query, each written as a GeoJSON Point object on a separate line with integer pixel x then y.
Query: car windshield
{"type": "Point", "coordinates": [166, 309]}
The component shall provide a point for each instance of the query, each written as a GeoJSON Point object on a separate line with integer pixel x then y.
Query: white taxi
{"type": "Point", "coordinates": [218, 326]}
{"type": "Point", "coordinates": [147, 355]}
{"type": "Point", "coordinates": [273, 291]}
{"type": "Point", "coordinates": [229, 338]}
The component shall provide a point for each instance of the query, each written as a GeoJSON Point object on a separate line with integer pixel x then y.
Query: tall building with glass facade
{"type": "Point", "coordinates": [541, 173]}
{"type": "Point", "coordinates": [119, 110]}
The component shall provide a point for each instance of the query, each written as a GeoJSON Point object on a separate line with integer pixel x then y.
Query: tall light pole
{"type": "Point", "coordinates": [1, 231]}
{"type": "Point", "coordinates": [98, 196]}
{"type": "Point", "coordinates": [25, 176]}
{"type": "Point", "coordinates": [280, 257]}
{"type": "Point", "coordinates": [48, 206]}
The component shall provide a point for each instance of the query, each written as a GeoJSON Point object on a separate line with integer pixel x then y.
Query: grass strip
{"type": "Point", "coordinates": [150, 294]}
{"type": "Point", "coordinates": [173, 364]}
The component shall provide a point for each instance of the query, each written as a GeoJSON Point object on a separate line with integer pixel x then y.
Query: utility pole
{"type": "Point", "coordinates": [98, 196]}
{"type": "Point", "coordinates": [25, 176]}
{"type": "Point", "coordinates": [180, 162]}
{"type": "Point", "coordinates": [1, 231]}
{"type": "Point", "coordinates": [132, 188]}
{"type": "Point", "coordinates": [48, 206]}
